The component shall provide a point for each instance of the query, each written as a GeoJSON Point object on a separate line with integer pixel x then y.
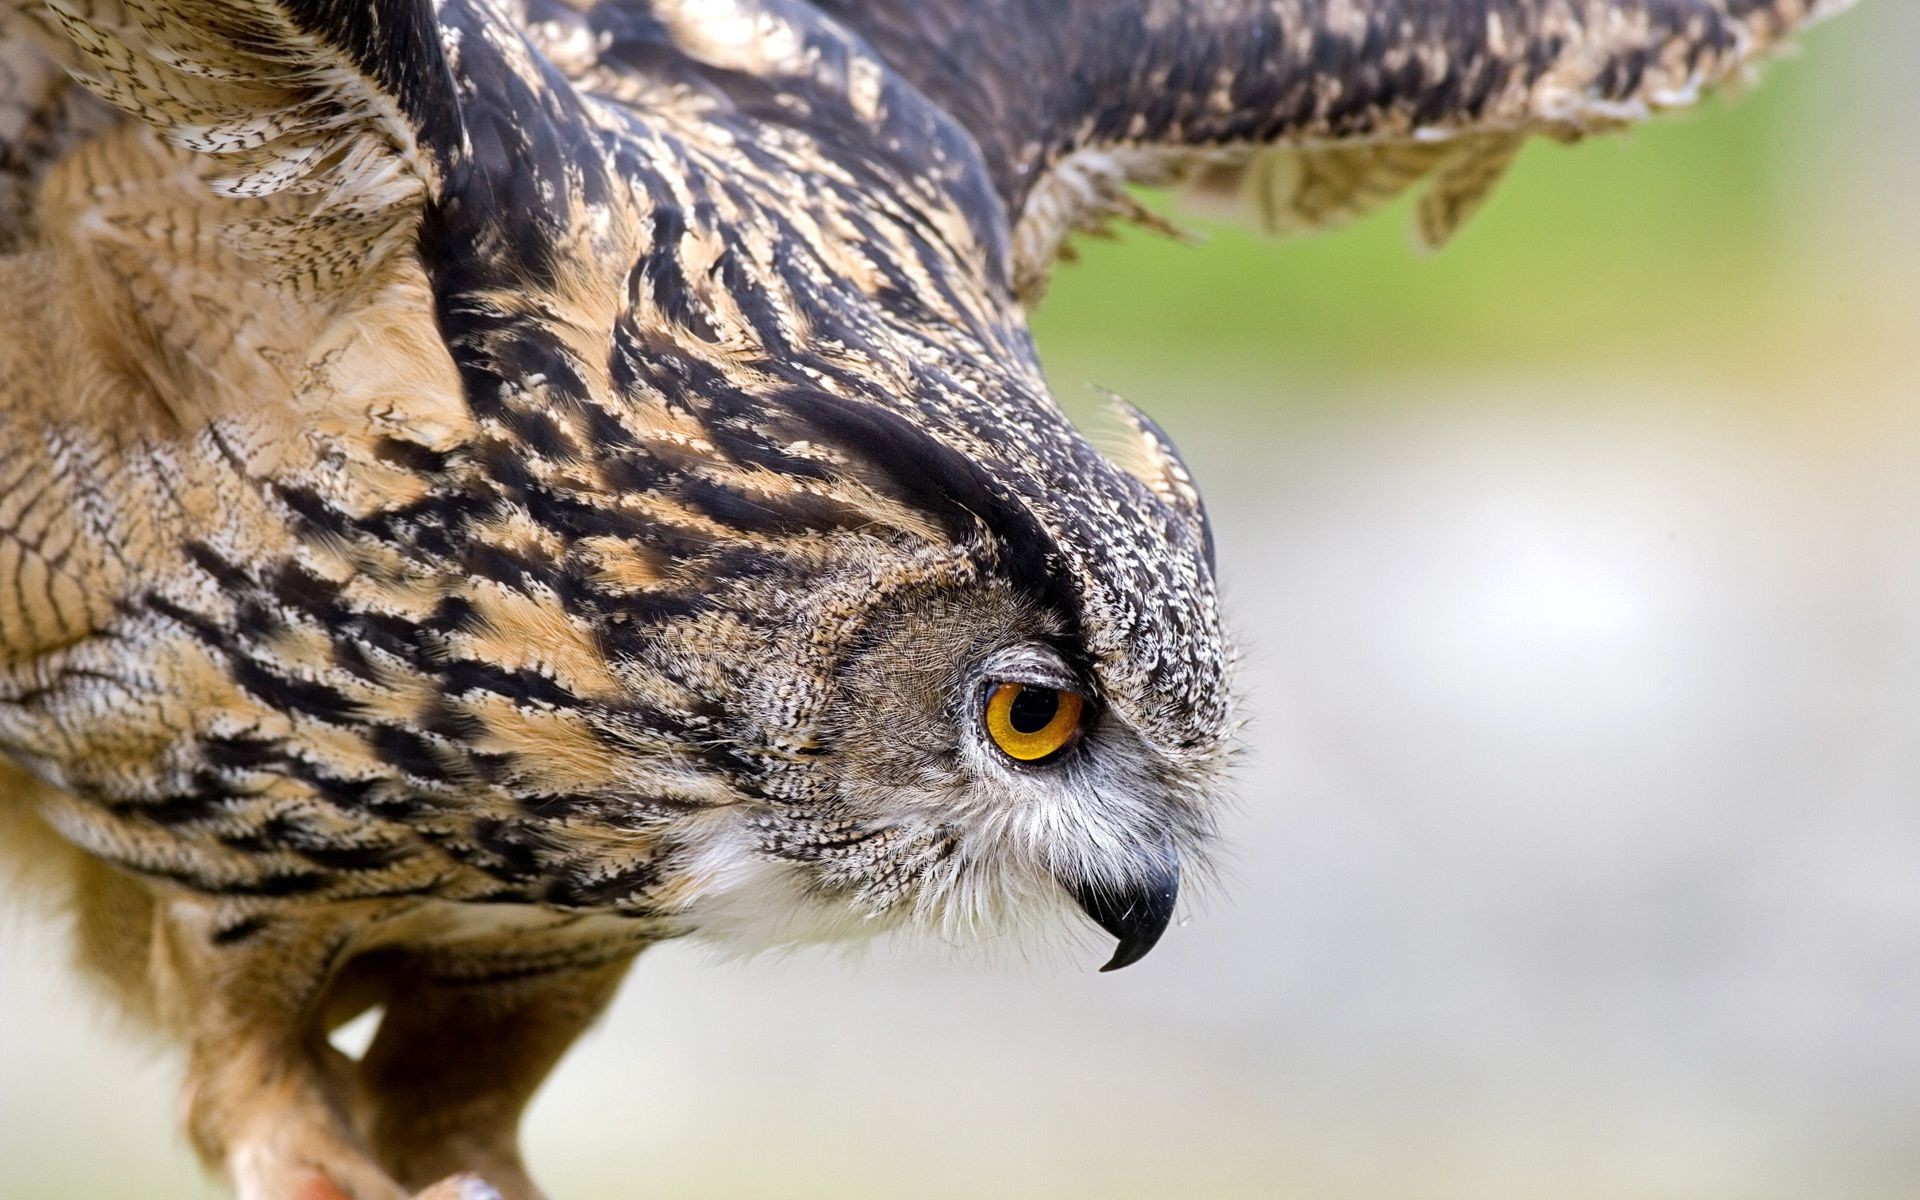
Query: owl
{"type": "Point", "coordinates": [491, 485]}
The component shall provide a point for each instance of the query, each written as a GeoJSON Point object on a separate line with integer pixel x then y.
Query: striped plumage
{"type": "Point", "coordinates": [490, 485]}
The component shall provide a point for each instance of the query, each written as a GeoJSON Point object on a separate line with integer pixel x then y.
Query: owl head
{"type": "Point", "coordinates": [998, 685]}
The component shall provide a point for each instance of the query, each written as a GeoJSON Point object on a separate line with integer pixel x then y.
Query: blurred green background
{"type": "Point", "coordinates": [1757, 235]}
{"type": "Point", "coordinates": [1577, 848]}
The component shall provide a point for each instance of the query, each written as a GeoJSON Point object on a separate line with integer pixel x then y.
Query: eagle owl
{"type": "Point", "coordinates": [489, 485]}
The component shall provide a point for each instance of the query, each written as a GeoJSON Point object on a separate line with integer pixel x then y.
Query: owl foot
{"type": "Point", "coordinates": [457, 1187]}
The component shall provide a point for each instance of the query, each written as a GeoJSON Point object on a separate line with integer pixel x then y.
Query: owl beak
{"type": "Point", "coordinates": [1137, 913]}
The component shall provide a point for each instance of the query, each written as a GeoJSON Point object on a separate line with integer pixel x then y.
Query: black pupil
{"type": "Point", "coordinates": [1033, 709]}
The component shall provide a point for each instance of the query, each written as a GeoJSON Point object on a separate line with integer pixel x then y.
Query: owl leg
{"type": "Point", "coordinates": [266, 1097]}
{"type": "Point", "coordinates": [464, 1044]}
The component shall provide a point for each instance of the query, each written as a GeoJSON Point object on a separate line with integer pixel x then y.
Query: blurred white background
{"type": "Point", "coordinates": [1577, 849]}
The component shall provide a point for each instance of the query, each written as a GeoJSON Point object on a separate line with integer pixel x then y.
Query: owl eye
{"type": "Point", "coordinates": [1031, 723]}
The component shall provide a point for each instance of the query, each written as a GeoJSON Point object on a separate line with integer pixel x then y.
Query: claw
{"type": "Point", "coordinates": [460, 1187]}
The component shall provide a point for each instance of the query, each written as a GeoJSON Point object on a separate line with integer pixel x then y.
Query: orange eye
{"type": "Point", "coordinates": [1031, 723]}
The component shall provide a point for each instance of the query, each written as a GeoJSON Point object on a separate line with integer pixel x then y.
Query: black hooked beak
{"type": "Point", "coordinates": [1136, 913]}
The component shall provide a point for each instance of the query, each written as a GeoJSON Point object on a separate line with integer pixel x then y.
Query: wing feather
{"type": "Point", "coordinates": [1311, 112]}
{"type": "Point", "coordinates": [222, 262]}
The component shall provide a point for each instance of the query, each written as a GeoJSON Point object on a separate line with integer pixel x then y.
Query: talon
{"type": "Point", "coordinates": [460, 1187]}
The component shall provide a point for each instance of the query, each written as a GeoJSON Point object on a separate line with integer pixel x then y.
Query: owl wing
{"type": "Point", "coordinates": [1310, 112]}
{"type": "Point", "coordinates": [197, 191]}
{"type": "Point", "coordinates": [233, 414]}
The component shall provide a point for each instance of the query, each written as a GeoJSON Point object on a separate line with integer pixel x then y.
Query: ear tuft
{"type": "Point", "coordinates": [1149, 455]}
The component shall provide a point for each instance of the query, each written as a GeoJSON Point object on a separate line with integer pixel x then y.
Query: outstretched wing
{"type": "Point", "coordinates": [232, 424]}
{"type": "Point", "coordinates": [1311, 110]}
{"type": "Point", "coordinates": [192, 256]}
